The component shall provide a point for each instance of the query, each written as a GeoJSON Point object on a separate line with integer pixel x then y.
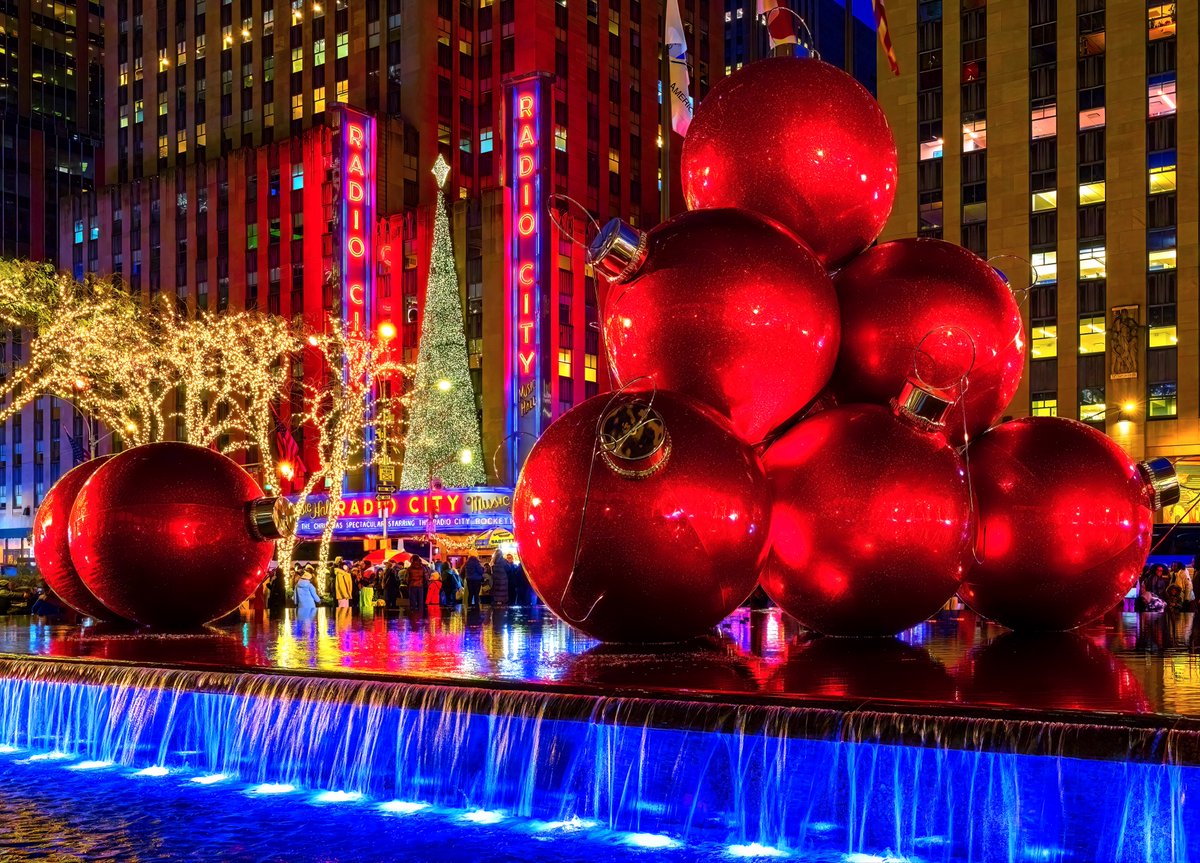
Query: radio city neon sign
{"type": "Point", "coordinates": [527, 241]}
{"type": "Point", "coordinates": [358, 205]}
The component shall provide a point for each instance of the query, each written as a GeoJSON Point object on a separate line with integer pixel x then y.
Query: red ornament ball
{"type": "Point", "coordinates": [724, 306]}
{"type": "Point", "coordinates": [1065, 521]}
{"type": "Point", "coordinates": [641, 517]}
{"type": "Point", "coordinates": [800, 141]}
{"type": "Point", "coordinates": [936, 309]}
{"type": "Point", "coordinates": [871, 527]}
{"type": "Point", "coordinates": [51, 550]}
{"type": "Point", "coordinates": [173, 535]}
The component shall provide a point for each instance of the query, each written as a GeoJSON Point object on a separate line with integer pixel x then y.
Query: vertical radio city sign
{"type": "Point", "coordinates": [528, 279]}
{"type": "Point", "coordinates": [357, 234]}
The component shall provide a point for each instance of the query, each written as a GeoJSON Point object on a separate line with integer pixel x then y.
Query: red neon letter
{"type": "Point", "coordinates": [356, 294]}
{"type": "Point", "coordinates": [354, 134]}
{"type": "Point", "coordinates": [525, 106]}
{"type": "Point", "coordinates": [525, 165]}
{"type": "Point", "coordinates": [527, 333]}
{"type": "Point", "coordinates": [527, 139]}
{"type": "Point", "coordinates": [526, 224]}
{"type": "Point", "coordinates": [355, 192]}
{"type": "Point", "coordinates": [525, 274]}
{"type": "Point", "coordinates": [527, 361]}
{"type": "Point", "coordinates": [356, 166]}
{"type": "Point", "coordinates": [356, 247]}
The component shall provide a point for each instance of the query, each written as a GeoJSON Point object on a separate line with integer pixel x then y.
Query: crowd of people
{"type": "Point", "coordinates": [415, 585]}
{"type": "Point", "coordinates": [1167, 588]}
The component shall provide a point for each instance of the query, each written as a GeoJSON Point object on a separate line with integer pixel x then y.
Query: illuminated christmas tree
{"type": "Point", "coordinates": [443, 428]}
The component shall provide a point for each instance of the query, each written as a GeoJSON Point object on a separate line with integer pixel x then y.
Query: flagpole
{"type": "Point", "coordinates": [664, 119]}
{"type": "Point", "coordinates": [850, 37]}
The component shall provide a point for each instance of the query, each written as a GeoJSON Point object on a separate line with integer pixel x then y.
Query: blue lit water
{"type": "Point", "coordinates": [709, 778]}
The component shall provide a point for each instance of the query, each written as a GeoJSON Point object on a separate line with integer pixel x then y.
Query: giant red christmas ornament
{"type": "Point", "coordinates": [724, 306]}
{"type": "Point", "coordinates": [936, 309]}
{"type": "Point", "coordinates": [641, 517]}
{"type": "Point", "coordinates": [173, 535]}
{"type": "Point", "coordinates": [798, 140]}
{"type": "Point", "coordinates": [50, 547]}
{"type": "Point", "coordinates": [1065, 521]}
{"type": "Point", "coordinates": [871, 525]}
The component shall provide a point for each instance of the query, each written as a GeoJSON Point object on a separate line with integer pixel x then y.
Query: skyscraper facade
{"type": "Point", "coordinates": [1021, 126]}
{"type": "Point", "coordinates": [51, 127]}
{"type": "Point", "coordinates": [224, 183]}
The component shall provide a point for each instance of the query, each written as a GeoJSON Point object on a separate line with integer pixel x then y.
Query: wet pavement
{"type": "Point", "coordinates": [1127, 664]}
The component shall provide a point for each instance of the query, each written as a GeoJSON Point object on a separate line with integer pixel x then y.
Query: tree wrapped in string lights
{"type": "Point", "coordinates": [443, 427]}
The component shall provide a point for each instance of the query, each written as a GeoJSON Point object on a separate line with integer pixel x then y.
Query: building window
{"type": "Point", "coordinates": [318, 100]}
{"type": "Point", "coordinates": [1161, 95]}
{"type": "Point", "coordinates": [1091, 193]}
{"type": "Point", "coordinates": [1044, 405]}
{"type": "Point", "coordinates": [1044, 201]}
{"type": "Point", "coordinates": [564, 362]}
{"type": "Point", "coordinates": [1160, 21]}
{"type": "Point", "coordinates": [297, 106]}
{"type": "Point", "coordinates": [974, 136]}
{"type": "Point", "coordinates": [1045, 342]}
{"type": "Point", "coordinates": [1044, 122]}
{"type": "Point", "coordinates": [1045, 267]}
{"type": "Point", "coordinates": [1091, 335]}
{"type": "Point", "coordinates": [1091, 118]}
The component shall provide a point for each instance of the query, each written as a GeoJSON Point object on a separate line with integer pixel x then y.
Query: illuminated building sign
{"type": "Point", "coordinates": [468, 510]}
{"type": "Point", "coordinates": [357, 234]}
{"type": "Point", "coordinates": [528, 279]}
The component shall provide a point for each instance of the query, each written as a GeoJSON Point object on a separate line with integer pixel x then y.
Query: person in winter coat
{"type": "Point", "coordinates": [307, 597]}
{"type": "Point", "coordinates": [366, 590]}
{"type": "Point", "coordinates": [451, 585]}
{"type": "Point", "coordinates": [391, 586]}
{"type": "Point", "coordinates": [473, 575]}
{"type": "Point", "coordinates": [416, 583]}
{"type": "Point", "coordinates": [278, 596]}
{"type": "Point", "coordinates": [433, 593]}
{"type": "Point", "coordinates": [343, 585]}
{"type": "Point", "coordinates": [500, 579]}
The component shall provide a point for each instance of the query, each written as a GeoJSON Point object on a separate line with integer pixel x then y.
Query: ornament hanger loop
{"type": "Point", "coordinates": [809, 45]}
{"type": "Point", "coordinates": [1002, 264]}
{"type": "Point", "coordinates": [944, 358]}
{"type": "Point", "coordinates": [555, 212]}
{"type": "Point", "coordinates": [598, 447]}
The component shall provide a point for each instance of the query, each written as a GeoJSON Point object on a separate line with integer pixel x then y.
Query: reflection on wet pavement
{"type": "Point", "coordinates": [1127, 663]}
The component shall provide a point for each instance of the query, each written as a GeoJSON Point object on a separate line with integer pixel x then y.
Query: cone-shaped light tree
{"type": "Point", "coordinates": [443, 427]}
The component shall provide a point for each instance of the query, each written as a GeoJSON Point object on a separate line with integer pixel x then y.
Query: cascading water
{"type": "Point", "coordinates": [809, 780]}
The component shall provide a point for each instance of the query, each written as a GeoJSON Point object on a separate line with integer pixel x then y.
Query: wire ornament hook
{"type": "Point", "coordinates": [597, 444]}
{"type": "Point", "coordinates": [810, 45]}
{"type": "Point", "coordinates": [1021, 294]}
{"type": "Point", "coordinates": [552, 212]}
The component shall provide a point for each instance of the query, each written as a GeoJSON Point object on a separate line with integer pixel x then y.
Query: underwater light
{"type": "Point", "coordinates": [568, 825]}
{"type": "Point", "coordinates": [90, 765]}
{"type": "Point", "coordinates": [754, 849]}
{"type": "Point", "coordinates": [651, 840]}
{"type": "Point", "coordinates": [273, 788]}
{"type": "Point", "coordinates": [402, 807]}
{"type": "Point", "coordinates": [338, 797]}
{"type": "Point", "coordinates": [484, 816]}
{"type": "Point", "coordinates": [50, 756]}
{"type": "Point", "coordinates": [153, 771]}
{"type": "Point", "coordinates": [211, 779]}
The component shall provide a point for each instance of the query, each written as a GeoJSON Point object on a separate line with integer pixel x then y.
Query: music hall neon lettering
{"type": "Point", "coordinates": [527, 240]}
{"type": "Point", "coordinates": [358, 201]}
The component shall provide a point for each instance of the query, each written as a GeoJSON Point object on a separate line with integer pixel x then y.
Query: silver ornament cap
{"type": "Point", "coordinates": [618, 251]}
{"type": "Point", "coordinates": [633, 439]}
{"type": "Point", "coordinates": [1161, 481]}
{"type": "Point", "coordinates": [923, 405]}
{"type": "Point", "coordinates": [271, 518]}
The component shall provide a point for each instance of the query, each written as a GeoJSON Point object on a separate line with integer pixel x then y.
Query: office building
{"type": "Point", "coordinates": [1046, 131]}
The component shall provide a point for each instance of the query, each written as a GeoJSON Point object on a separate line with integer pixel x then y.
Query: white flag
{"type": "Point", "coordinates": [678, 89]}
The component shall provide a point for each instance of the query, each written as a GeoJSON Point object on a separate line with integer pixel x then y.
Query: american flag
{"type": "Point", "coordinates": [79, 452]}
{"type": "Point", "coordinates": [285, 444]}
{"type": "Point", "coordinates": [885, 36]}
